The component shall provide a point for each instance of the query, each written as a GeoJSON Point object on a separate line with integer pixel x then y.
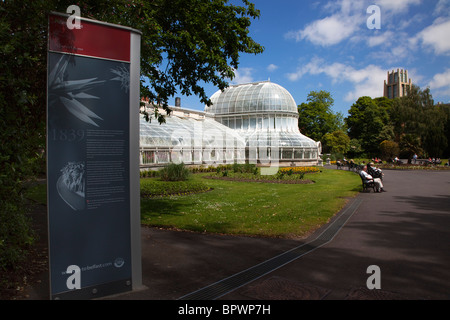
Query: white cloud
{"type": "Point", "coordinates": [272, 67]}
{"type": "Point", "coordinates": [442, 7]}
{"type": "Point", "coordinates": [366, 82]}
{"type": "Point", "coordinates": [415, 76]}
{"type": "Point", "coordinates": [346, 18]}
{"type": "Point", "coordinates": [436, 36]}
{"type": "Point", "coordinates": [313, 67]}
{"type": "Point", "coordinates": [328, 31]}
{"type": "Point", "coordinates": [383, 38]}
{"type": "Point", "coordinates": [370, 84]}
{"type": "Point", "coordinates": [347, 7]}
{"type": "Point", "coordinates": [396, 6]}
{"type": "Point", "coordinates": [441, 82]}
{"type": "Point", "coordinates": [410, 21]}
{"type": "Point", "coordinates": [242, 75]}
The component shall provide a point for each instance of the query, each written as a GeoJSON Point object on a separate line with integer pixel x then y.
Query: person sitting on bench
{"type": "Point", "coordinates": [368, 178]}
{"type": "Point", "coordinates": [374, 171]}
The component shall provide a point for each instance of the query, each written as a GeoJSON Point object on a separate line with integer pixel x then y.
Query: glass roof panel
{"type": "Point", "coordinates": [260, 97]}
{"type": "Point", "coordinates": [187, 131]}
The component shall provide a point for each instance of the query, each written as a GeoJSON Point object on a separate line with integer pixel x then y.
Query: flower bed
{"type": "Point", "coordinates": [289, 175]}
{"type": "Point", "coordinates": [295, 170]}
{"type": "Point", "coordinates": [294, 179]}
{"type": "Point", "coordinates": [390, 166]}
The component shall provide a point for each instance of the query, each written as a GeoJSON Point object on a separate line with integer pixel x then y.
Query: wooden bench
{"type": "Point", "coordinates": [367, 184]}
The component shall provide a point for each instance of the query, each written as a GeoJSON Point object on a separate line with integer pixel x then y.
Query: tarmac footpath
{"type": "Point", "coordinates": [404, 232]}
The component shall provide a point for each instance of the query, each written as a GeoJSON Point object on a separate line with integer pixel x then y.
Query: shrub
{"type": "Point", "coordinates": [245, 168]}
{"type": "Point", "coordinates": [280, 175]}
{"type": "Point", "coordinates": [389, 149]}
{"type": "Point", "coordinates": [174, 172]}
{"type": "Point", "coordinates": [148, 173]}
{"type": "Point", "coordinates": [16, 235]}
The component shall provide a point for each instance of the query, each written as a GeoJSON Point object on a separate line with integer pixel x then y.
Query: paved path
{"type": "Point", "coordinates": [405, 232]}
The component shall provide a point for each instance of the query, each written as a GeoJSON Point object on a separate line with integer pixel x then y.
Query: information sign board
{"type": "Point", "coordinates": [92, 105]}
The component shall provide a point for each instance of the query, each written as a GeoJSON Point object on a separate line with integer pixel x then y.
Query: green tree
{"type": "Point", "coordinates": [355, 150]}
{"type": "Point", "coordinates": [409, 145]}
{"type": "Point", "coordinates": [337, 142]}
{"type": "Point", "coordinates": [446, 110]}
{"type": "Point", "coordinates": [434, 139]}
{"type": "Point", "coordinates": [22, 118]}
{"type": "Point", "coordinates": [366, 122]}
{"type": "Point", "coordinates": [184, 43]}
{"type": "Point", "coordinates": [389, 149]}
{"type": "Point", "coordinates": [316, 117]}
{"type": "Point", "coordinates": [416, 119]}
{"type": "Point", "coordinates": [407, 114]}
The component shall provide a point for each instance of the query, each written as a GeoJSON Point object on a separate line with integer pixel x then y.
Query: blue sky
{"type": "Point", "coordinates": [327, 45]}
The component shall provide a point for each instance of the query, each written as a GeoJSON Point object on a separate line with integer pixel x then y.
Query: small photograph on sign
{"type": "Point", "coordinates": [71, 185]}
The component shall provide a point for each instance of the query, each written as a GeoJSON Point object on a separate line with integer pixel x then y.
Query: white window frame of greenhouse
{"type": "Point", "coordinates": [256, 122]}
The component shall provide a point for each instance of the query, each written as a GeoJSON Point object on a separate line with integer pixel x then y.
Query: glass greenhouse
{"type": "Point", "coordinates": [255, 122]}
{"type": "Point", "coordinates": [189, 140]}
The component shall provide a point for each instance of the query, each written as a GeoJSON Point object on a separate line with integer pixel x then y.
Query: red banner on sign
{"type": "Point", "coordinates": [94, 40]}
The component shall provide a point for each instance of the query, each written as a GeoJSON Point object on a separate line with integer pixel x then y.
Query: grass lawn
{"type": "Point", "coordinates": [248, 208]}
{"type": "Point", "coordinates": [252, 208]}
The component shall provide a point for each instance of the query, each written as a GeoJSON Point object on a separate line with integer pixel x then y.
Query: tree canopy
{"type": "Point", "coordinates": [316, 117]}
{"type": "Point", "coordinates": [419, 124]}
{"type": "Point", "coordinates": [412, 123]}
{"type": "Point", "coordinates": [366, 121]}
{"type": "Point", "coordinates": [380, 126]}
{"type": "Point", "coordinates": [184, 43]}
{"type": "Point", "coordinates": [337, 142]}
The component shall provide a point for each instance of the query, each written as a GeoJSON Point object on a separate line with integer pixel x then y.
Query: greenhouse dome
{"type": "Point", "coordinates": [252, 98]}
{"type": "Point", "coordinates": [266, 115]}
